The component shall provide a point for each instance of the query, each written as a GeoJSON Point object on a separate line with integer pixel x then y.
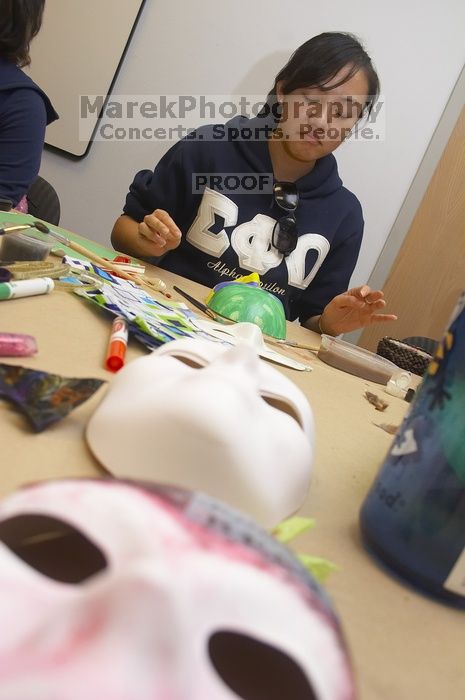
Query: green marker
{"type": "Point", "coordinates": [26, 288]}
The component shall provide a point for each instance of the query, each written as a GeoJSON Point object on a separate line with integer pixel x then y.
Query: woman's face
{"type": "Point", "coordinates": [315, 121]}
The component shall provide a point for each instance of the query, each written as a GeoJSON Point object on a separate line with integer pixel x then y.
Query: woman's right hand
{"type": "Point", "coordinates": [158, 233]}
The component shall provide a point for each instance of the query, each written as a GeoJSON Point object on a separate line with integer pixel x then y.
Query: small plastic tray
{"type": "Point", "coordinates": [20, 246]}
{"type": "Point", "coordinates": [355, 360]}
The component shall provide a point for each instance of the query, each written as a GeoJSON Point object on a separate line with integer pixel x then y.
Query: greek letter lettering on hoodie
{"type": "Point", "coordinates": [226, 235]}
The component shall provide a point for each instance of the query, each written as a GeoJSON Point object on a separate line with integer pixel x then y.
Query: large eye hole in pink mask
{"type": "Point", "coordinates": [255, 670]}
{"type": "Point", "coordinates": [53, 548]}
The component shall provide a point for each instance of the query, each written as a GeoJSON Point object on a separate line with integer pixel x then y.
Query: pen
{"type": "Point", "coordinates": [117, 344]}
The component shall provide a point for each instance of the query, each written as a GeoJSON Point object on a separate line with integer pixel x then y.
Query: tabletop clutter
{"type": "Point", "coordinates": [232, 450]}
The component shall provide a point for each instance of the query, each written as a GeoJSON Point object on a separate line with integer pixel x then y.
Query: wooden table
{"type": "Point", "coordinates": [404, 646]}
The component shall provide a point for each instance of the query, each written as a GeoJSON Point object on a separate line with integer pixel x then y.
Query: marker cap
{"type": "Point", "coordinates": [115, 360]}
{"type": "Point", "coordinates": [5, 291]}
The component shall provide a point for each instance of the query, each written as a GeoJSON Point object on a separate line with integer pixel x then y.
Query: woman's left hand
{"type": "Point", "coordinates": [356, 308]}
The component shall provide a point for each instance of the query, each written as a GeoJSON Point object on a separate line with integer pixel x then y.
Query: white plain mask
{"type": "Point", "coordinates": [209, 418]}
{"type": "Point", "coordinates": [118, 591]}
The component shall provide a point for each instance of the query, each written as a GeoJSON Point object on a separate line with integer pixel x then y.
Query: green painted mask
{"type": "Point", "coordinates": [244, 302]}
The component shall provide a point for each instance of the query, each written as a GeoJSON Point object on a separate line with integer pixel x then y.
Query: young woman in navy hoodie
{"type": "Point", "coordinates": [297, 226]}
{"type": "Point", "coordinates": [25, 110]}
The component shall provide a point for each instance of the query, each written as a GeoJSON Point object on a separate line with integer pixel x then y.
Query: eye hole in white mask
{"type": "Point", "coordinates": [274, 402]}
{"type": "Point", "coordinates": [51, 547]}
{"type": "Point", "coordinates": [255, 670]}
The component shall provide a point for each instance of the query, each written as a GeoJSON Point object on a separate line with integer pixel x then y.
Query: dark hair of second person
{"type": "Point", "coordinates": [20, 21]}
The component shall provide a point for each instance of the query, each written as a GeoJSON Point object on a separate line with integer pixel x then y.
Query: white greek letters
{"type": "Point", "coordinates": [199, 234]}
{"type": "Point", "coordinates": [251, 241]}
{"type": "Point", "coordinates": [296, 260]}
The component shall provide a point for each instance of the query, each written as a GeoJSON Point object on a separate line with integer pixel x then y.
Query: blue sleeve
{"type": "Point", "coordinates": [168, 187]}
{"type": "Point", "coordinates": [334, 275]}
{"type": "Point", "coordinates": [22, 131]}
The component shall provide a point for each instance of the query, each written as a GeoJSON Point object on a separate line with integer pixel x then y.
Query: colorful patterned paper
{"type": "Point", "coordinates": [151, 321]}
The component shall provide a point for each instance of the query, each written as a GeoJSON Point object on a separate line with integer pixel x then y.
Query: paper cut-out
{"type": "Point", "coordinates": [150, 321]}
{"type": "Point", "coordinates": [44, 398]}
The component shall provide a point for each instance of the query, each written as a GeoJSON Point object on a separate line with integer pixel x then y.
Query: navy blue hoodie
{"type": "Point", "coordinates": [226, 235]}
{"type": "Point", "coordinates": [25, 111]}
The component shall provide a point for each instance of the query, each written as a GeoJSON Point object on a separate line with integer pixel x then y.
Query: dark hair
{"type": "Point", "coordinates": [20, 21]}
{"type": "Point", "coordinates": [317, 61]}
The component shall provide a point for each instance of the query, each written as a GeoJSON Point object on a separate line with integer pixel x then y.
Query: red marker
{"type": "Point", "coordinates": [117, 344]}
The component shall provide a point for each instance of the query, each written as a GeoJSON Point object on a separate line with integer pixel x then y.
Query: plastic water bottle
{"type": "Point", "coordinates": [413, 517]}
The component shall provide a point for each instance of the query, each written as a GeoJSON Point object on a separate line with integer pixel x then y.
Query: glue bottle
{"type": "Point", "coordinates": [413, 518]}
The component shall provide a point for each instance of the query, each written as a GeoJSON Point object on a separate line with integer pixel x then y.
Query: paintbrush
{"type": "Point", "coordinates": [16, 229]}
{"type": "Point", "coordinates": [295, 344]}
{"type": "Point", "coordinates": [215, 316]}
{"type": "Point", "coordinates": [154, 284]}
{"type": "Point", "coordinates": [203, 307]}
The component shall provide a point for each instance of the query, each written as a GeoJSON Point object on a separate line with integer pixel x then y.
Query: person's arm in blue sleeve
{"type": "Point", "coordinates": [22, 131]}
{"type": "Point", "coordinates": [327, 306]}
{"type": "Point", "coordinates": [154, 205]}
{"type": "Point", "coordinates": [334, 275]}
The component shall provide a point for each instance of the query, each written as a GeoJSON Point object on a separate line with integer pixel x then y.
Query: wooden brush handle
{"type": "Point", "coordinates": [153, 284]}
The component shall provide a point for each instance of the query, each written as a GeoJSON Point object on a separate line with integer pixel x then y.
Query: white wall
{"type": "Point", "coordinates": [237, 47]}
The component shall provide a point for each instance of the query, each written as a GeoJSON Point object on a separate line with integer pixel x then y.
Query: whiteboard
{"type": "Point", "coordinates": [78, 51]}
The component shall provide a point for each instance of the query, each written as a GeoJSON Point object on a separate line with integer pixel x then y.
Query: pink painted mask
{"type": "Point", "coordinates": [122, 591]}
{"type": "Point", "coordinates": [207, 418]}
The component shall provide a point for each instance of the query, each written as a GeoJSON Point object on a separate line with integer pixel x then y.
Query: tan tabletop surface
{"type": "Point", "coordinates": [404, 646]}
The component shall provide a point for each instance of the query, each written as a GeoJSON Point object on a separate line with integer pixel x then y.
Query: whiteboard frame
{"type": "Point", "coordinates": [62, 136]}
